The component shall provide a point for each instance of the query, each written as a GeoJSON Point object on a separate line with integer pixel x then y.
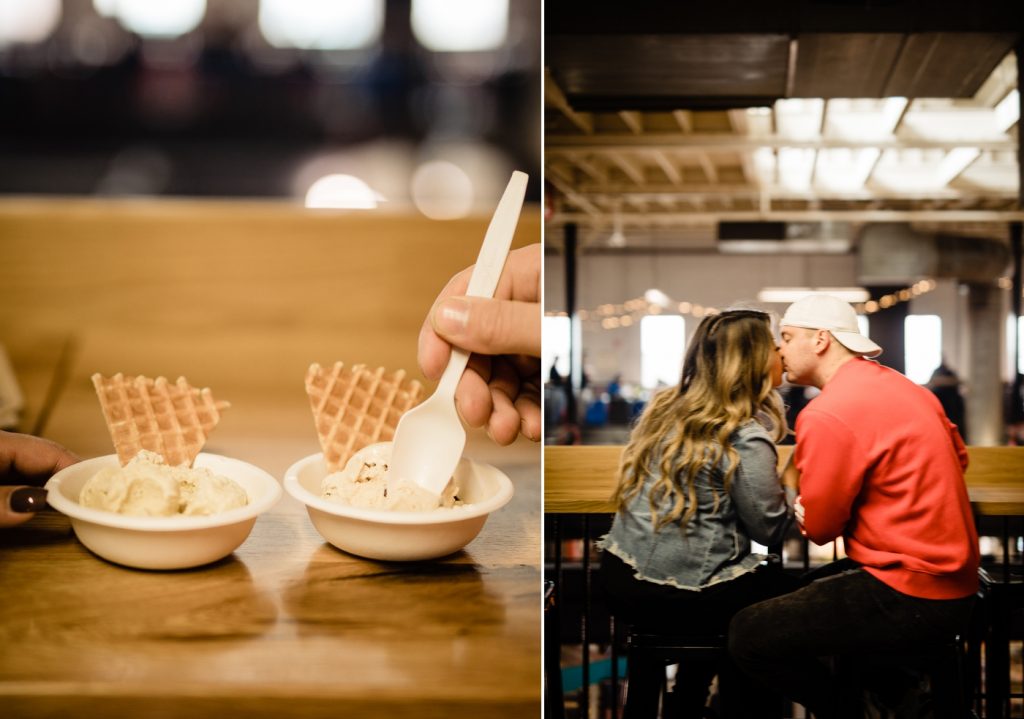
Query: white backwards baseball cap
{"type": "Point", "coordinates": [825, 312]}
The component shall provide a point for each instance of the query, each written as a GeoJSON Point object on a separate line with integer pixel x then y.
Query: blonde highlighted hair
{"type": "Point", "coordinates": [726, 381]}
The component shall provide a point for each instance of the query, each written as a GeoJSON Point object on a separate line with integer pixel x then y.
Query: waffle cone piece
{"type": "Point", "coordinates": [172, 420]}
{"type": "Point", "coordinates": [356, 406]}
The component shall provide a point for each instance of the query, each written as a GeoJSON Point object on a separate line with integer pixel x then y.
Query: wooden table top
{"type": "Point", "coordinates": [582, 479]}
{"type": "Point", "coordinates": [287, 625]}
{"type": "Point", "coordinates": [242, 298]}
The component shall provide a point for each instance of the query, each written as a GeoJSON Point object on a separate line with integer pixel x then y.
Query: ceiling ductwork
{"type": "Point", "coordinates": [893, 254]}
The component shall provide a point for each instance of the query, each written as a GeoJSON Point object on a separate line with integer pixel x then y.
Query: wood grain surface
{"type": "Point", "coordinates": [242, 297]}
{"type": "Point", "coordinates": [583, 479]}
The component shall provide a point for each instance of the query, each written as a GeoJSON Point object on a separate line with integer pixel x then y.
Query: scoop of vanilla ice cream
{"type": "Point", "coordinates": [209, 493]}
{"type": "Point", "coordinates": [364, 482]}
{"type": "Point", "coordinates": [147, 486]}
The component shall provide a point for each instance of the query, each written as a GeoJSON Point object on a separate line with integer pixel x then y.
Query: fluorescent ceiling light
{"type": "Point", "coordinates": [835, 246]}
{"type": "Point", "coordinates": [843, 169]}
{"type": "Point", "coordinates": [792, 294]}
{"type": "Point", "coordinates": [1007, 112]}
{"type": "Point", "coordinates": [796, 165]}
{"type": "Point", "coordinates": [952, 124]}
{"type": "Point", "coordinates": [863, 119]}
{"type": "Point", "coordinates": [799, 119]}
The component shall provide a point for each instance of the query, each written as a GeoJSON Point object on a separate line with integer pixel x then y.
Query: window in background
{"type": "Point", "coordinates": [1020, 344]}
{"type": "Point", "coordinates": [554, 346]}
{"type": "Point", "coordinates": [923, 346]}
{"type": "Point", "coordinates": [460, 25]}
{"type": "Point", "coordinates": [322, 25]}
{"type": "Point", "coordinates": [662, 342]}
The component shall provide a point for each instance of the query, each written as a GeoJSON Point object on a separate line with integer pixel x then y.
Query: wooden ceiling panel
{"type": "Point", "coordinates": [844, 64]}
{"type": "Point", "coordinates": [651, 72]}
{"type": "Point", "coordinates": [947, 64]}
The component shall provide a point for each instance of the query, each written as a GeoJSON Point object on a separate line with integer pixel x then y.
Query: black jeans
{"type": "Point", "coordinates": [783, 642]}
{"type": "Point", "coordinates": [661, 609]}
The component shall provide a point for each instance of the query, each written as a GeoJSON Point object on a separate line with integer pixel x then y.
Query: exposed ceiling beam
{"type": "Point", "coordinates": [633, 120]}
{"type": "Point", "coordinates": [671, 171]}
{"type": "Point", "coordinates": [588, 167]}
{"type": "Point", "coordinates": [591, 210]}
{"type": "Point", "coordinates": [707, 218]}
{"type": "Point", "coordinates": [720, 142]}
{"type": "Point", "coordinates": [708, 167]}
{"type": "Point", "coordinates": [684, 119]}
{"type": "Point", "coordinates": [653, 191]}
{"type": "Point", "coordinates": [632, 172]}
{"type": "Point", "coordinates": [554, 96]}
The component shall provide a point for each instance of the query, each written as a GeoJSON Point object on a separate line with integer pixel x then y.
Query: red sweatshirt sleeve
{"type": "Point", "coordinates": [958, 445]}
{"type": "Point", "coordinates": [832, 467]}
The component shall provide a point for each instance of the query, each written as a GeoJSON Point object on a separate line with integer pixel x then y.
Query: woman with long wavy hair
{"type": "Point", "coordinates": [697, 484]}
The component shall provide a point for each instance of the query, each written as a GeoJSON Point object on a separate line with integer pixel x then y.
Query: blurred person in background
{"type": "Point", "coordinates": [945, 385]}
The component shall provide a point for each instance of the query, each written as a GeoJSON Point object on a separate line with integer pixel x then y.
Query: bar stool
{"type": "Point", "coordinates": [649, 654]}
{"type": "Point", "coordinates": [944, 666]}
{"type": "Point", "coordinates": [1002, 595]}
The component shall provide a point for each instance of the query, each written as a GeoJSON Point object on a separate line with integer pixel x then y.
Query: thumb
{"type": "Point", "coordinates": [19, 504]}
{"type": "Point", "coordinates": [486, 326]}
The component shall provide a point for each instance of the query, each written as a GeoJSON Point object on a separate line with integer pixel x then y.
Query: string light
{"type": "Point", "coordinates": [626, 314]}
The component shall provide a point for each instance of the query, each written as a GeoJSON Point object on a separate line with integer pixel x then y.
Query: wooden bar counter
{"type": "Point", "coordinates": [583, 479]}
{"type": "Point", "coordinates": [241, 298]}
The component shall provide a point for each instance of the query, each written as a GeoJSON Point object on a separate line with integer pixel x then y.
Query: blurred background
{"type": "Point", "coordinates": [425, 103]}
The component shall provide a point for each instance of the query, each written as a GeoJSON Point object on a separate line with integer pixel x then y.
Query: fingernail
{"type": "Point", "coordinates": [522, 430]}
{"type": "Point", "coordinates": [28, 499]}
{"type": "Point", "coordinates": [452, 316]}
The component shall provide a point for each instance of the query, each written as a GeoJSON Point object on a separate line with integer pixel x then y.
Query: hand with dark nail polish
{"type": "Point", "coordinates": [26, 462]}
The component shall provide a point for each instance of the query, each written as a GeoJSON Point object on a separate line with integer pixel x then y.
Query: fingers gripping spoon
{"type": "Point", "coordinates": [429, 438]}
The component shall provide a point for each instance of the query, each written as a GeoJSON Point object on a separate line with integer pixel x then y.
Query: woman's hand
{"type": "Point", "coordinates": [26, 462]}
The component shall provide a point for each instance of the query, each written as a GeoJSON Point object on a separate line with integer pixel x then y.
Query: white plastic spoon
{"type": "Point", "coordinates": [429, 438]}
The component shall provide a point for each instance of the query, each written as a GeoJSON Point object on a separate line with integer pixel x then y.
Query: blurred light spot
{"type": "Point", "coordinates": [136, 171]}
{"type": "Point", "coordinates": [155, 19]}
{"type": "Point", "coordinates": [321, 24]}
{"type": "Point", "coordinates": [343, 192]}
{"type": "Point", "coordinates": [384, 165]}
{"type": "Point", "coordinates": [106, 8]}
{"type": "Point", "coordinates": [442, 190]}
{"type": "Point", "coordinates": [27, 20]}
{"type": "Point", "coordinates": [91, 43]}
{"type": "Point", "coordinates": [460, 25]}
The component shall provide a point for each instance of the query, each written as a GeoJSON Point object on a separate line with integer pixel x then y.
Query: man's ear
{"type": "Point", "coordinates": [822, 341]}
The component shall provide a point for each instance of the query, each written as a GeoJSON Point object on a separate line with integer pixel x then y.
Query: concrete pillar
{"type": "Point", "coordinates": [984, 396]}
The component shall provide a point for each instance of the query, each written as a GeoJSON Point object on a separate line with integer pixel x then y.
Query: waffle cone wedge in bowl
{"type": "Point", "coordinates": [173, 420]}
{"type": "Point", "coordinates": [356, 406]}
{"type": "Point", "coordinates": [356, 410]}
{"type": "Point", "coordinates": [195, 526]}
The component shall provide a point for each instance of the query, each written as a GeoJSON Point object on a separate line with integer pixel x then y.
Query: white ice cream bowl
{"type": "Point", "coordinates": [401, 536]}
{"type": "Point", "coordinates": [176, 542]}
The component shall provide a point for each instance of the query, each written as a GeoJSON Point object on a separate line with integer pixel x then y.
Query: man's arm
{"type": "Point", "coordinates": [832, 465]}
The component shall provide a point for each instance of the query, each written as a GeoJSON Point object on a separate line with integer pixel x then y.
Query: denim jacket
{"type": "Point", "coordinates": [715, 546]}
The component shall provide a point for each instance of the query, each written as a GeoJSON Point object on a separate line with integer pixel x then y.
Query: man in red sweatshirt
{"type": "Point", "coordinates": [882, 467]}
